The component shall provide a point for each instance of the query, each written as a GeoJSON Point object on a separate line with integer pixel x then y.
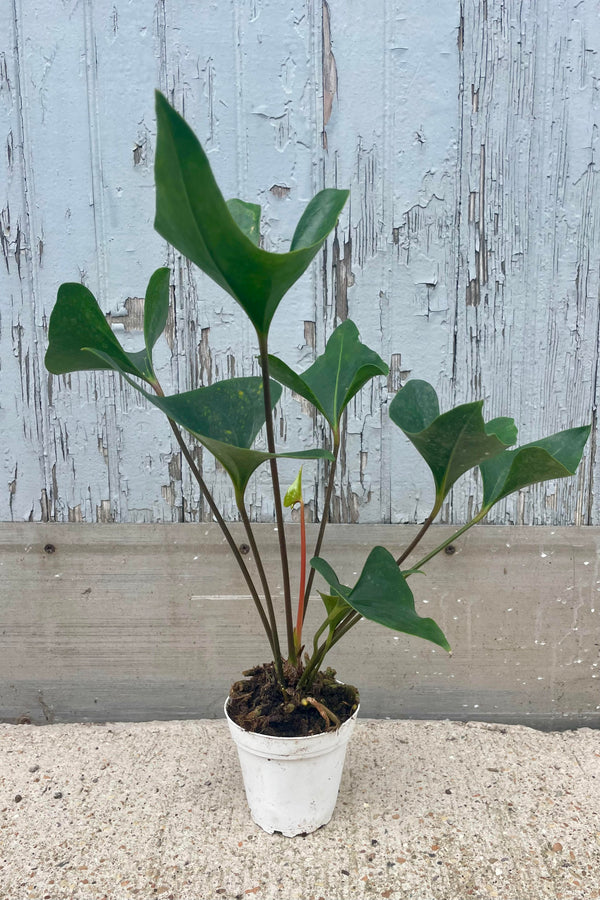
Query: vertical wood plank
{"type": "Point", "coordinates": [252, 102]}
{"type": "Point", "coordinates": [527, 300]}
{"type": "Point", "coordinates": [468, 254]}
{"type": "Point", "coordinates": [392, 137]}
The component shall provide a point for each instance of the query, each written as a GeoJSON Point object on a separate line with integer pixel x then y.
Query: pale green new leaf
{"type": "Point", "coordinates": [294, 492]}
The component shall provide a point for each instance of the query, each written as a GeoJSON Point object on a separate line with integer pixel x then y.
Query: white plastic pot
{"type": "Point", "coordinates": [292, 783]}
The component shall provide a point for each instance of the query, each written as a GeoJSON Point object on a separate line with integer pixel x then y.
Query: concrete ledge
{"type": "Point", "coordinates": [427, 811]}
{"type": "Point", "coordinates": [147, 622]}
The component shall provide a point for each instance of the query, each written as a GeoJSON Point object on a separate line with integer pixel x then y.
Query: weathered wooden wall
{"type": "Point", "coordinates": [469, 254]}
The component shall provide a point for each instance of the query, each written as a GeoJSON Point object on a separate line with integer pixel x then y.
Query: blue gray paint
{"type": "Point", "coordinates": [469, 254]}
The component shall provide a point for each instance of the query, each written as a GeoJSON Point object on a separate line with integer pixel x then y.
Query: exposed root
{"type": "Point", "coordinates": [330, 717]}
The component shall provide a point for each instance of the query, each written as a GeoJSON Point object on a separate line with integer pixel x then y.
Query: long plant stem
{"type": "Point", "coordinates": [301, 594]}
{"type": "Point", "coordinates": [277, 658]}
{"type": "Point", "coordinates": [285, 570]}
{"type": "Point", "coordinates": [353, 618]}
{"type": "Point", "coordinates": [324, 516]}
{"type": "Point", "coordinates": [222, 524]}
{"type": "Point", "coordinates": [420, 534]}
{"type": "Point", "coordinates": [480, 515]}
{"type": "Point", "coordinates": [320, 652]}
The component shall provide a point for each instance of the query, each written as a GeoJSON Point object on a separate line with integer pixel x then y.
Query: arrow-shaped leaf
{"type": "Point", "coordinates": [382, 595]}
{"type": "Point", "coordinates": [156, 308]}
{"type": "Point", "coordinates": [293, 494]}
{"type": "Point", "coordinates": [226, 418]}
{"type": "Point", "coordinates": [556, 456]}
{"type": "Point", "coordinates": [77, 322]}
{"type": "Point", "coordinates": [192, 215]}
{"type": "Point", "coordinates": [450, 443]}
{"type": "Point", "coordinates": [336, 376]}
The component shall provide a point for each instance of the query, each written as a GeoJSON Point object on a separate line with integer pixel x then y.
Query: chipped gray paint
{"type": "Point", "coordinates": [468, 254]}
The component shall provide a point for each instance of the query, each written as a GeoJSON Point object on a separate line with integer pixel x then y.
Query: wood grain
{"type": "Point", "coordinates": [468, 254]}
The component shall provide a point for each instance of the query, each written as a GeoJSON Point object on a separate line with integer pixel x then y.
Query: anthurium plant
{"type": "Point", "coordinates": [223, 239]}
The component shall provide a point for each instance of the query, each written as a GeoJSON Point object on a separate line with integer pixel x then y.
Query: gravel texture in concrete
{"type": "Point", "coordinates": [427, 811]}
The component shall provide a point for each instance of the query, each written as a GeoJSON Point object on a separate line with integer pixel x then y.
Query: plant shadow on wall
{"type": "Point", "coordinates": [291, 695]}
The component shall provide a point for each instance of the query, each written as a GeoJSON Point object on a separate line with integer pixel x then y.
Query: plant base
{"type": "Point", "coordinates": [257, 703]}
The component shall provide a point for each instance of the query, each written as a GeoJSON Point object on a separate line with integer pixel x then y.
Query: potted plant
{"type": "Point", "coordinates": [290, 714]}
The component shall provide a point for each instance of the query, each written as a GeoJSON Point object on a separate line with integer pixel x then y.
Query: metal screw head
{"type": "Point", "coordinates": [244, 548]}
{"type": "Point", "coordinates": [450, 549]}
{"type": "Point", "coordinates": [49, 548]}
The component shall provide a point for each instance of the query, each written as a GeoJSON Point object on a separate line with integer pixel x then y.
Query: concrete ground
{"type": "Point", "coordinates": [427, 810]}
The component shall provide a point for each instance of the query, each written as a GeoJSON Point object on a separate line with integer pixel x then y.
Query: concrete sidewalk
{"type": "Point", "coordinates": [427, 811]}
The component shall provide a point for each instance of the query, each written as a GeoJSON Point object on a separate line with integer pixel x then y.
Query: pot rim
{"type": "Point", "coordinates": [299, 737]}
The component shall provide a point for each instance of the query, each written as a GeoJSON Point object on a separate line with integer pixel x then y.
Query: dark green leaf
{"type": "Point", "coordinates": [247, 218]}
{"type": "Point", "coordinates": [225, 417]}
{"type": "Point", "coordinates": [192, 215]}
{"type": "Point", "coordinates": [504, 428]}
{"type": "Point", "coordinates": [382, 595]}
{"type": "Point", "coordinates": [556, 456]}
{"type": "Point", "coordinates": [324, 207]}
{"type": "Point", "coordinates": [156, 308]}
{"type": "Point", "coordinates": [451, 443]}
{"type": "Point", "coordinates": [77, 322]}
{"type": "Point", "coordinates": [336, 376]}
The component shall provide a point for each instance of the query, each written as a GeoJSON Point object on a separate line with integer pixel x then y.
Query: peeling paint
{"type": "Point", "coordinates": [329, 71]}
{"type": "Point", "coordinates": [4, 235]}
{"type": "Point", "coordinates": [397, 376]}
{"type": "Point", "coordinates": [468, 250]}
{"type": "Point", "coordinates": [131, 317]}
{"type": "Point", "coordinates": [310, 334]}
{"type": "Point", "coordinates": [104, 512]}
{"type": "Point", "coordinates": [205, 358]}
{"type": "Point", "coordinates": [279, 190]}
{"type": "Point", "coordinates": [341, 266]}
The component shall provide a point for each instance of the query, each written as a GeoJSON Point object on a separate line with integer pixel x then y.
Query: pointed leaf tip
{"type": "Point", "coordinates": [293, 494]}
{"type": "Point", "coordinates": [453, 442]}
{"type": "Point", "coordinates": [336, 376]}
{"type": "Point", "coordinates": [557, 456]}
{"type": "Point", "coordinates": [191, 214]}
